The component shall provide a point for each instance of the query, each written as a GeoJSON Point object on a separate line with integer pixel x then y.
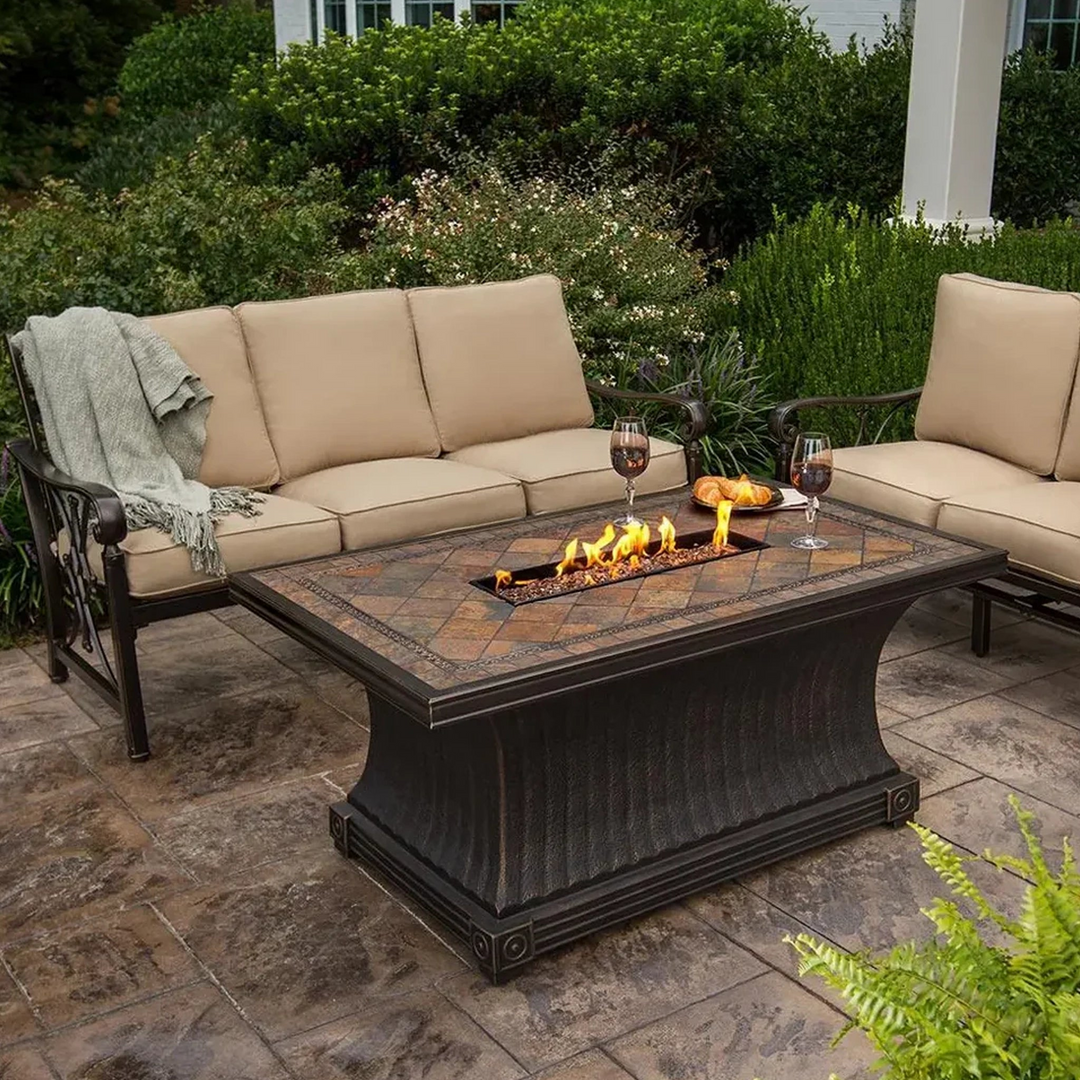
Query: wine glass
{"type": "Point", "coordinates": [811, 473]}
{"type": "Point", "coordinates": [629, 458]}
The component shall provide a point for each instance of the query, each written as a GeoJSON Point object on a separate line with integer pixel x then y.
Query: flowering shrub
{"type": "Point", "coordinates": [635, 289]}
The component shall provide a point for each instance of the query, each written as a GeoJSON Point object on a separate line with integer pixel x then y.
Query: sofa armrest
{"type": "Point", "coordinates": [109, 523]}
{"type": "Point", "coordinates": [784, 419]}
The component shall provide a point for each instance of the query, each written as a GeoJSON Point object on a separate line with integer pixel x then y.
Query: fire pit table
{"type": "Point", "coordinates": [540, 770]}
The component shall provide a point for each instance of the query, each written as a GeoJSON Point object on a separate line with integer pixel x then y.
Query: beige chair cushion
{"type": "Point", "coordinates": [911, 480]}
{"type": "Point", "coordinates": [381, 502]}
{"type": "Point", "coordinates": [499, 361]}
{"type": "Point", "coordinates": [285, 531]}
{"type": "Point", "coordinates": [338, 379]}
{"type": "Point", "coordinates": [238, 449]}
{"type": "Point", "coordinates": [1039, 525]}
{"type": "Point", "coordinates": [1002, 366]}
{"type": "Point", "coordinates": [561, 470]}
{"type": "Point", "coordinates": [1067, 466]}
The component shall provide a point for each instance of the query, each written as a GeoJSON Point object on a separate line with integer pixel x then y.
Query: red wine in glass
{"type": "Point", "coordinates": [811, 473]}
{"type": "Point", "coordinates": [811, 477]}
{"type": "Point", "coordinates": [629, 458]}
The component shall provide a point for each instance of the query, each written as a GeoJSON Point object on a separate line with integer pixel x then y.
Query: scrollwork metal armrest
{"type": "Point", "coordinates": [109, 525]}
{"type": "Point", "coordinates": [784, 426]}
{"type": "Point", "coordinates": [696, 420]}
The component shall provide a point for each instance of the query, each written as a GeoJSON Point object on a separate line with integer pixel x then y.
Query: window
{"type": "Point", "coordinates": [371, 15]}
{"type": "Point", "coordinates": [420, 12]}
{"type": "Point", "coordinates": [335, 16]}
{"type": "Point", "coordinates": [1052, 26]}
{"type": "Point", "coordinates": [498, 11]}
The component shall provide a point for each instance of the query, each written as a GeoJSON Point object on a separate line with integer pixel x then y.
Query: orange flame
{"type": "Point", "coordinates": [569, 556]}
{"type": "Point", "coordinates": [667, 535]}
{"type": "Point", "coordinates": [723, 517]}
{"type": "Point", "coordinates": [502, 579]}
{"type": "Point", "coordinates": [594, 553]}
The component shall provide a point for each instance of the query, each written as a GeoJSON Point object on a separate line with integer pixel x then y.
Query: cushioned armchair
{"type": "Point", "coordinates": [996, 453]}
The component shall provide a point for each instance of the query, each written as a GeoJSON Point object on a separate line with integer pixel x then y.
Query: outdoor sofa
{"type": "Point", "coordinates": [996, 453]}
{"type": "Point", "coordinates": [368, 418]}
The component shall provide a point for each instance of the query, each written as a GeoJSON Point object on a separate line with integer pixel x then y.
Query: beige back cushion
{"type": "Point", "coordinates": [1068, 459]}
{"type": "Point", "coordinates": [499, 361]}
{"type": "Point", "coordinates": [1002, 366]}
{"type": "Point", "coordinates": [338, 379]}
{"type": "Point", "coordinates": [238, 450]}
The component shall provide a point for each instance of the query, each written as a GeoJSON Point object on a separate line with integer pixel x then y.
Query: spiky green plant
{"type": "Point", "coordinates": [959, 1006]}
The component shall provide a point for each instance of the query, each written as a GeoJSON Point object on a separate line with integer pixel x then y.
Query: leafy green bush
{"type": "Point", "coordinates": [662, 88]}
{"type": "Point", "coordinates": [188, 63]}
{"type": "Point", "coordinates": [201, 232]}
{"type": "Point", "coordinates": [1038, 151]}
{"type": "Point", "coordinates": [840, 303]}
{"type": "Point", "coordinates": [961, 1006]}
{"type": "Point", "coordinates": [20, 582]}
{"type": "Point", "coordinates": [129, 156]}
{"type": "Point", "coordinates": [730, 382]}
{"type": "Point", "coordinates": [635, 288]}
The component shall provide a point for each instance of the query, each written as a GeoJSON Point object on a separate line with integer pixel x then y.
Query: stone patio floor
{"type": "Point", "coordinates": [188, 919]}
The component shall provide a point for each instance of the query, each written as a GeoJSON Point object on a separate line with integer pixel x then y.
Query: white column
{"type": "Point", "coordinates": [350, 17]}
{"type": "Point", "coordinates": [291, 22]}
{"type": "Point", "coordinates": [953, 110]}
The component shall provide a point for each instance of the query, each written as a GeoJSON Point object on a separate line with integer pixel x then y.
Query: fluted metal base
{"type": "Point", "coordinates": [526, 828]}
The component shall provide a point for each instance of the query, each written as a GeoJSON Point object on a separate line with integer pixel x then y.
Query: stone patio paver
{"type": "Point", "coordinates": [419, 1035]}
{"type": "Point", "coordinates": [226, 748]}
{"type": "Point", "coordinates": [590, 992]}
{"type": "Point", "coordinates": [1018, 746]}
{"type": "Point", "coordinates": [188, 1034]}
{"type": "Point", "coordinates": [307, 940]}
{"type": "Point", "coordinates": [188, 918]}
{"type": "Point", "coordinates": [767, 1027]}
{"type": "Point", "coordinates": [78, 972]}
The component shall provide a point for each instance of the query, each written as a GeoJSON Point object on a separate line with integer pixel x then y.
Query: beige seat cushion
{"type": "Point", "coordinates": [499, 361]}
{"type": "Point", "coordinates": [338, 379]}
{"type": "Point", "coordinates": [238, 449]}
{"type": "Point", "coordinates": [561, 470]}
{"type": "Point", "coordinates": [285, 531]}
{"type": "Point", "coordinates": [381, 502]}
{"type": "Point", "coordinates": [1067, 466]}
{"type": "Point", "coordinates": [1039, 525]}
{"type": "Point", "coordinates": [911, 480]}
{"type": "Point", "coordinates": [1002, 366]}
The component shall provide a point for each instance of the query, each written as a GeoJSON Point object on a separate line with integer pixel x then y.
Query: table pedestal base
{"type": "Point", "coordinates": [526, 828]}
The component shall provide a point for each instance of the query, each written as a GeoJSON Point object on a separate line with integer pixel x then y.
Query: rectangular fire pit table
{"type": "Point", "coordinates": [538, 772]}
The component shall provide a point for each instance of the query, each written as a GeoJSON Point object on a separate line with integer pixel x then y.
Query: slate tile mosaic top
{"type": "Point", "coordinates": [415, 605]}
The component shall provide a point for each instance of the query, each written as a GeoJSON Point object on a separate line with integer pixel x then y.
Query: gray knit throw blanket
{"type": "Point", "coordinates": [121, 408]}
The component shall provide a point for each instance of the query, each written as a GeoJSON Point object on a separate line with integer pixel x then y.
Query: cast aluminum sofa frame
{"type": "Point", "coordinates": [1027, 591]}
{"type": "Point", "coordinates": [77, 604]}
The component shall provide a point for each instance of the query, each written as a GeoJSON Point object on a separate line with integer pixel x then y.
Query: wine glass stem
{"type": "Point", "coordinates": [630, 499]}
{"type": "Point", "coordinates": [811, 516]}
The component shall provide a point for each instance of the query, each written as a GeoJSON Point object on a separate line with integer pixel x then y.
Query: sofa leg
{"type": "Point", "coordinates": [58, 671]}
{"type": "Point", "coordinates": [127, 663]}
{"type": "Point", "coordinates": [980, 623]}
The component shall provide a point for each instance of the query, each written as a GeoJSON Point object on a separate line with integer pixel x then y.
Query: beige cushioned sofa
{"type": "Point", "coordinates": [996, 453]}
{"type": "Point", "coordinates": [375, 417]}
{"type": "Point", "coordinates": [367, 418]}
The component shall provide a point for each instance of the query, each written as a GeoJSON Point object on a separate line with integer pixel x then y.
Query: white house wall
{"type": "Point", "coordinates": [839, 19]}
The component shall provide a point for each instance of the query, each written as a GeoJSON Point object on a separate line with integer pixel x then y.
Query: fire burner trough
{"type": "Point", "coordinates": [657, 557]}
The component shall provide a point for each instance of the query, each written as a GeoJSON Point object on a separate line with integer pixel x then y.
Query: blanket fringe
{"type": "Point", "coordinates": [192, 529]}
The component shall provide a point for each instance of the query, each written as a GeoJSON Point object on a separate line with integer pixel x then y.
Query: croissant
{"type": "Point", "coordinates": [742, 492]}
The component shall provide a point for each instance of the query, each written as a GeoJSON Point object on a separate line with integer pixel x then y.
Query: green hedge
{"type": "Point", "coordinates": [188, 63]}
{"type": "Point", "coordinates": [664, 90]}
{"type": "Point", "coordinates": [839, 303]}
